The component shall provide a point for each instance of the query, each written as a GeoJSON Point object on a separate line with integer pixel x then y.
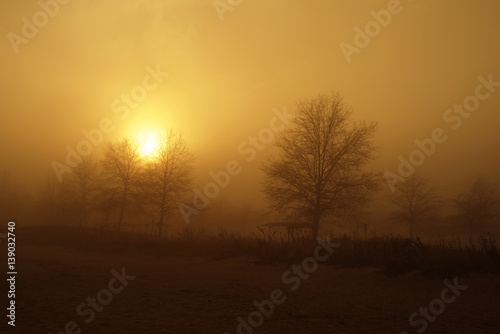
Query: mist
{"type": "Point", "coordinates": [89, 87]}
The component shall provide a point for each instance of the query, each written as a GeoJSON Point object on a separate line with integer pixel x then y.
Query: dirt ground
{"type": "Point", "coordinates": [196, 295]}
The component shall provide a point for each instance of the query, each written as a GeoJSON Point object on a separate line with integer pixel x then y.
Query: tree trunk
{"type": "Point", "coordinates": [411, 228]}
{"type": "Point", "coordinates": [84, 212]}
{"type": "Point", "coordinates": [160, 223]}
{"type": "Point", "coordinates": [120, 217]}
{"type": "Point", "coordinates": [122, 209]}
{"type": "Point", "coordinates": [315, 226]}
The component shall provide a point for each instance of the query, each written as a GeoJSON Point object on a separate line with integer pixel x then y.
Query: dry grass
{"type": "Point", "coordinates": [397, 255]}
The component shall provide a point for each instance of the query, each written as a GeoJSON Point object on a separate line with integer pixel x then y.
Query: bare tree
{"type": "Point", "coordinates": [167, 175]}
{"type": "Point", "coordinates": [122, 166]}
{"type": "Point", "coordinates": [82, 186]}
{"type": "Point", "coordinates": [52, 200]}
{"type": "Point", "coordinates": [479, 205]}
{"type": "Point", "coordinates": [320, 169]}
{"type": "Point", "coordinates": [416, 201]}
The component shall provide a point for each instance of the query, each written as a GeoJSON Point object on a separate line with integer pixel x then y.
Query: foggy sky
{"type": "Point", "coordinates": [225, 78]}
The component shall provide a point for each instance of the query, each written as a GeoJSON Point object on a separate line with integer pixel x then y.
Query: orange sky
{"type": "Point", "coordinates": [225, 77]}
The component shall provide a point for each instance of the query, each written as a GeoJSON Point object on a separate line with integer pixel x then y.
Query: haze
{"type": "Point", "coordinates": [226, 77]}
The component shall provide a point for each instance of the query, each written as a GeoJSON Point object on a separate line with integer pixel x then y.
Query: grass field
{"type": "Point", "coordinates": [202, 283]}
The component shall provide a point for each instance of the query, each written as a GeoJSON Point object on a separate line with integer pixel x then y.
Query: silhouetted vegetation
{"type": "Point", "coordinates": [128, 200]}
{"type": "Point", "coordinates": [395, 254]}
{"type": "Point", "coordinates": [121, 187]}
{"type": "Point", "coordinates": [320, 169]}
{"type": "Point", "coordinates": [416, 201]}
{"type": "Point", "coordinates": [479, 206]}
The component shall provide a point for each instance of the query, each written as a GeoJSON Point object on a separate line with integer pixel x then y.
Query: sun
{"type": "Point", "coordinates": [148, 144]}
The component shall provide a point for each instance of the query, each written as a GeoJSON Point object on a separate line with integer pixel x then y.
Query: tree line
{"type": "Point", "coordinates": [124, 179]}
{"type": "Point", "coordinates": [321, 172]}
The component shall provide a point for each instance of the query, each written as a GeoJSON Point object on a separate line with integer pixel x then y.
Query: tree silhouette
{"type": "Point", "coordinates": [122, 166]}
{"type": "Point", "coordinates": [167, 176]}
{"type": "Point", "coordinates": [416, 200]}
{"type": "Point", "coordinates": [320, 169]}
{"type": "Point", "coordinates": [82, 186]}
{"type": "Point", "coordinates": [479, 205]}
{"type": "Point", "coordinates": [52, 200]}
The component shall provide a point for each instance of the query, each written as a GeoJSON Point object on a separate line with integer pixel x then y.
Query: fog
{"type": "Point", "coordinates": [225, 78]}
{"type": "Point", "coordinates": [250, 166]}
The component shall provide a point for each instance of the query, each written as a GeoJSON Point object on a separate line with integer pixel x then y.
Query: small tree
{"type": "Point", "coordinates": [479, 205]}
{"type": "Point", "coordinates": [320, 169]}
{"type": "Point", "coordinates": [167, 176]}
{"type": "Point", "coordinates": [52, 202]}
{"type": "Point", "coordinates": [81, 187]}
{"type": "Point", "coordinates": [122, 166]}
{"type": "Point", "coordinates": [416, 201]}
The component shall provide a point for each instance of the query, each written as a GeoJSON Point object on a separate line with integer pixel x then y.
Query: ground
{"type": "Point", "coordinates": [197, 295]}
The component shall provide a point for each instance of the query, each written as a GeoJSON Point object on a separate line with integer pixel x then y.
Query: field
{"type": "Point", "coordinates": [172, 292]}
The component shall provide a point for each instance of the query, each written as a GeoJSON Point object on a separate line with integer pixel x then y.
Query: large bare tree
{"type": "Point", "coordinates": [320, 169]}
{"type": "Point", "coordinates": [122, 167]}
{"type": "Point", "coordinates": [416, 201]}
{"type": "Point", "coordinates": [479, 206]}
{"type": "Point", "coordinates": [167, 176]}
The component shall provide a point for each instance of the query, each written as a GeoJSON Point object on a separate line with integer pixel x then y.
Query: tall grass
{"type": "Point", "coordinates": [394, 253]}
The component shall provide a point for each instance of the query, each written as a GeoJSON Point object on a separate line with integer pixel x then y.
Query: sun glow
{"type": "Point", "coordinates": [148, 144]}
